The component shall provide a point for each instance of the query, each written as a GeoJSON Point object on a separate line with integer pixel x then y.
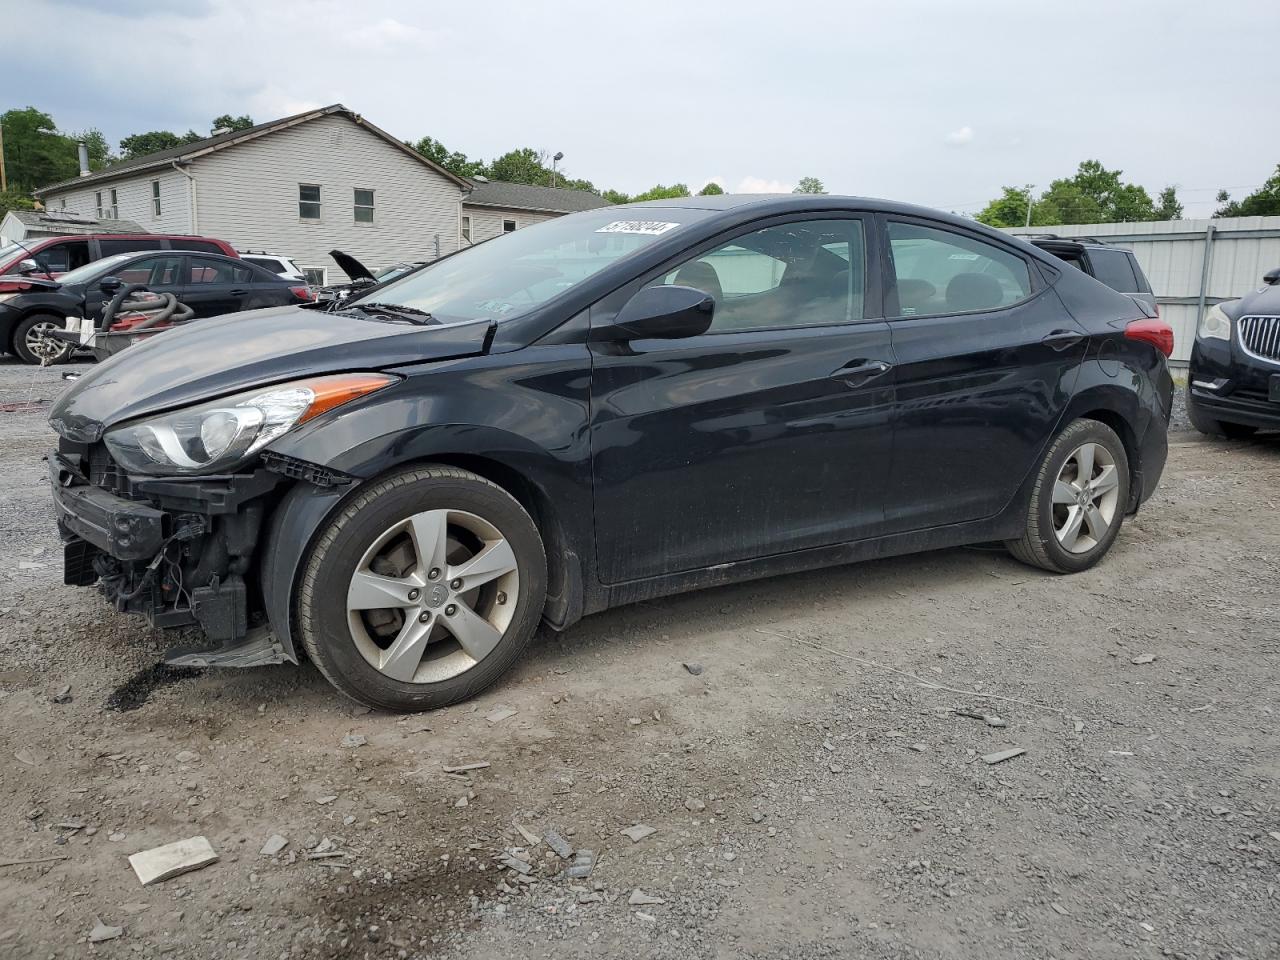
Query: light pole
{"type": "Point", "coordinates": [1030, 203]}
{"type": "Point", "coordinates": [554, 160]}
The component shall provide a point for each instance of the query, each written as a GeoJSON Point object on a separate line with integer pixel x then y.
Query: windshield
{"type": "Point", "coordinates": [510, 275]}
{"type": "Point", "coordinates": [11, 250]}
{"type": "Point", "coordinates": [90, 270]}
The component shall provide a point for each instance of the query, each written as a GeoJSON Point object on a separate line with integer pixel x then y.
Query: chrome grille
{"type": "Point", "coordinates": [1260, 337]}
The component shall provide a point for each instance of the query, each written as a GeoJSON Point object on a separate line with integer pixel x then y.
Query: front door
{"type": "Point", "coordinates": [987, 359]}
{"type": "Point", "coordinates": [161, 273]}
{"type": "Point", "coordinates": [767, 434]}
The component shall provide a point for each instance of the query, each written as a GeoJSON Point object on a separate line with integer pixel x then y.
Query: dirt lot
{"type": "Point", "coordinates": [812, 792]}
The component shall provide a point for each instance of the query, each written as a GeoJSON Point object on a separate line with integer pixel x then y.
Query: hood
{"type": "Point", "coordinates": [34, 283]}
{"type": "Point", "coordinates": [211, 358]}
{"type": "Point", "coordinates": [352, 267]}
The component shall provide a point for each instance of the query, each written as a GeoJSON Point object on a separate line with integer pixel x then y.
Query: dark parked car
{"type": "Point", "coordinates": [210, 284]}
{"type": "Point", "coordinates": [611, 406]}
{"type": "Point", "coordinates": [1116, 267]}
{"type": "Point", "coordinates": [51, 257]}
{"type": "Point", "coordinates": [1234, 380]}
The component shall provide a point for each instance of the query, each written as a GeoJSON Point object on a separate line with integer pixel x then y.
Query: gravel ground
{"type": "Point", "coordinates": [812, 791]}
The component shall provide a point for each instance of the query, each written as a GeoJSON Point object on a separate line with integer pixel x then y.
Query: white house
{"type": "Point", "coordinates": [302, 186]}
{"type": "Point", "coordinates": [494, 207]}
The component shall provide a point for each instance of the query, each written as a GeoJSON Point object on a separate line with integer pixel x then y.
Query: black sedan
{"type": "Point", "coordinates": [1234, 380]}
{"type": "Point", "coordinates": [608, 407]}
{"type": "Point", "coordinates": [210, 284]}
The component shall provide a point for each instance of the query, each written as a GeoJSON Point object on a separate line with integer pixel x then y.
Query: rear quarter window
{"type": "Point", "coordinates": [1113, 268]}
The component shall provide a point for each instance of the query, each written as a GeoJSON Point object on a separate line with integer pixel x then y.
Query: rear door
{"type": "Point", "coordinates": [987, 359]}
{"type": "Point", "coordinates": [215, 286]}
{"type": "Point", "coordinates": [767, 434]}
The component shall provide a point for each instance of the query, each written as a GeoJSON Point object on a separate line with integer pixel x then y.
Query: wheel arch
{"type": "Point", "coordinates": [11, 336]}
{"type": "Point", "coordinates": [1120, 410]}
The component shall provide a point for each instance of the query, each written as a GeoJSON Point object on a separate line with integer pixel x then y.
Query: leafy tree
{"type": "Point", "coordinates": [809, 185]}
{"type": "Point", "coordinates": [524, 165]}
{"type": "Point", "coordinates": [1010, 210]}
{"type": "Point", "coordinates": [1168, 206]}
{"type": "Point", "coordinates": [454, 161]}
{"type": "Point", "coordinates": [616, 196]}
{"type": "Point", "coordinates": [14, 200]}
{"type": "Point", "coordinates": [35, 152]}
{"type": "Point", "coordinates": [142, 144]}
{"type": "Point", "coordinates": [243, 122]}
{"type": "Point", "coordinates": [1263, 202]}
{"type": "Point", "coordinates": [660, 192]}
{"type": "Point", "coordinates": [712, 189]}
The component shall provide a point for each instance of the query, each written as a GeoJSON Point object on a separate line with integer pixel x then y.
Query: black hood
{"type": "Point", "coordinates": [352, 267]}
{"type": "Point", "coordinates": [35, 282]}
{"type": "Point", "coordinates": [208, 359]}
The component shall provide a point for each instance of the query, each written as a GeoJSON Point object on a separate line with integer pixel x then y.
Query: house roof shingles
{"type": "Point", "coordinates": [56, 222]}
{"type": "Point", "coordinates": [224, 140]}
{"type": "Point", "coordinates": [523, 196]}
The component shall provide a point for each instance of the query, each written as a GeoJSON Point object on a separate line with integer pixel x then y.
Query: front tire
{"type": "Point", "coordinates": [31, 343]}
{"type": "Point", "coordinates": [1078, 501]}
{"type": "Point", "coordinates": [423, 590]}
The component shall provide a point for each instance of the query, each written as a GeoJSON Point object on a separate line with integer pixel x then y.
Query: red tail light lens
{"type": "Point", "coordinates": [1155, 332]}
{"type": "Point", "coordinates": [303, 293]}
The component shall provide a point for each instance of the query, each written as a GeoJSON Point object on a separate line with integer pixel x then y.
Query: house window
{"type": "Point", "coordinates": [466, 229]}
{"type": "Point", "coordinates": [98, 201]}
{"type": "Point", "coordinates": [114, 213]}
{"type": "Point", "coordinates": [308, 201]}
{"type": "Point", "coordinates": [62, 203]}
{"type": "Point", "coordinates": [364, 206]}
{"type": "Point", "coordinates": [316, 276]}
{"type": "Point", "coordinates": [508, 226]}
{"type": "Point", "coordinates": [155, 198]}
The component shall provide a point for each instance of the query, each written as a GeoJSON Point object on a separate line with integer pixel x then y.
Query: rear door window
{"type": "Point", "coordinates": [1112, 267]}
{"type": "Point", "coordinates": [112, 247]}
{"type": "Point", "coordinates": [205, 270]}
{"type": "Point", "coordinates": [940, 271]}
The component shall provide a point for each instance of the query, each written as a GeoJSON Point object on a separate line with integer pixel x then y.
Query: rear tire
{"type": "Point", "coordinates": [33, 348]}
{"type": "Point", "coordinates": [1217, 428]}
{"type": "Point", "coordinates": [1078, 500]}
{"type": "Point", "coordinates": [423, 590]}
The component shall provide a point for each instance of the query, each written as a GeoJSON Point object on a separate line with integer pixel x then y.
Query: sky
{"type": "Point", "coordinates": [935, 102]}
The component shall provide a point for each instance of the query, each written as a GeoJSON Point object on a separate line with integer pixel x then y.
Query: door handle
{"type": "Point", "coordinates": [860, 371]}
{"type": "Point", "coordinates": [1062, 339]}
{"type": "Point", "coordinates": [238, 293]}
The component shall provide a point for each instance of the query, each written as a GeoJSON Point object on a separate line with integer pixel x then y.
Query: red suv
{"type": "Point", "coordinates": [57, 255]}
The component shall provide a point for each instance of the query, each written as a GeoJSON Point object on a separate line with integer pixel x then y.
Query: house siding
{"type": "Point", "coordinates": [248, 196]}
{"type": "Point", "coordinates": [133, 201]}
{"type": "Point", "coordinates": [486, 222]}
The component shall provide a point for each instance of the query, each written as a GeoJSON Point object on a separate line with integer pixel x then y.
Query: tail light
{"type": "Point", "coordinates": [1155, 332]}
{"type": "Point", "coordinates": [303, 293]}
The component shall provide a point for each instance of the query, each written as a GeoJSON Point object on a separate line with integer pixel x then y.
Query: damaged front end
{"type": "Point", "coordinates": [179, 551]}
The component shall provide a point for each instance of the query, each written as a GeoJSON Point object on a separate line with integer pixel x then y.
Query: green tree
{"type": "Point", "coordinates": [660, 192]}
{"type": "Point", "coordinates": [712, 189]}
{"type": "Point", "coordinates": [35, 153]}
{"type": "Point", "coordinates": [1168, 206]}
{"type": "Point", "coordinates": [524, 165]}
{"type": "Point", "coordinates": [1010, 210]}
{"type": "Point", "coordinates": [243, 122]}
{"type": "Point", "coordinates": [14, 200]}
{"type": "Point", "coordinates": [1263, 202]}
{"type": "Point", "coordinates": [809, 185]}
{"type": "Point", "coordinates": [142, 144]}
{"type": "Point", "coordinates": [454, 161]}
{"type": "Point", "coordinates": [616, 196]}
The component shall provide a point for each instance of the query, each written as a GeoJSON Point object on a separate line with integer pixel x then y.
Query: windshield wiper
{"type": "Point", "coordinates": [398, 310]}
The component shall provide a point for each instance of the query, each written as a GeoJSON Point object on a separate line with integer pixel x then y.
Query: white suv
{"type": "Point", "coordinates": [281, 266]}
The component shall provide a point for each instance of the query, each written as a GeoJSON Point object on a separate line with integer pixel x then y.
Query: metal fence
{"type": "Point", "coordinates": [1192, 264]}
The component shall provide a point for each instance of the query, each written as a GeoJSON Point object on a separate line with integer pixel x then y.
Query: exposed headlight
{"type": "Point", "coordinates": [1214, 325]}
{"type": "Point", "coordinates": [217, 437]}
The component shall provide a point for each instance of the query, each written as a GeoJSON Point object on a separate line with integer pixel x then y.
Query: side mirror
{"type": "Point", "coordinates": [27, 266]}
{"type": "Point", "coordinates": [661, 313]}
{"type": "Point", "coordinates": [1271, 277]}
{"type": "Point", "coordinates": [110, 285]}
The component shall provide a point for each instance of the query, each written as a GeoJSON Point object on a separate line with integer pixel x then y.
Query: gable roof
{"type": "Point", "coordinates": [59, 223]}
{"type": "Point", "coordinates": [189, 151]}
{"type": "Point", "coordinates": [523, 196]}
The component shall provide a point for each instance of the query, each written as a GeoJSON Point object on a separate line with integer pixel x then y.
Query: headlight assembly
{"type": "Point", "coordinates": [219, 436]}
{"type": "Point", "coordinates": [1215, 324]}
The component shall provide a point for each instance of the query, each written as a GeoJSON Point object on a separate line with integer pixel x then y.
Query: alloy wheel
{"type": "Point", "coordinates": [43, 346]}
{"type": "Point", "coordinates": [432, 596]}
{"type": "Point", "coordinates": [1086, 497]}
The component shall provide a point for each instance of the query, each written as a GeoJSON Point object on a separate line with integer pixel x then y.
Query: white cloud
{"type": "Point", "coordinates": [386, 32]}
{"type": "Point", "coordinates": [961, 137]}
{"type": "Point", "coordinates": [761, 185]}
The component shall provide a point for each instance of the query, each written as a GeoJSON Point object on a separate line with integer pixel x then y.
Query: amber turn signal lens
{"type": "Point", "coordinates": [334, 391]}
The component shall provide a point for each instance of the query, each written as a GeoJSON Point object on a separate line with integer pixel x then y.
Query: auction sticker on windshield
{"type": "Point", "coordinates": [649, 227]}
